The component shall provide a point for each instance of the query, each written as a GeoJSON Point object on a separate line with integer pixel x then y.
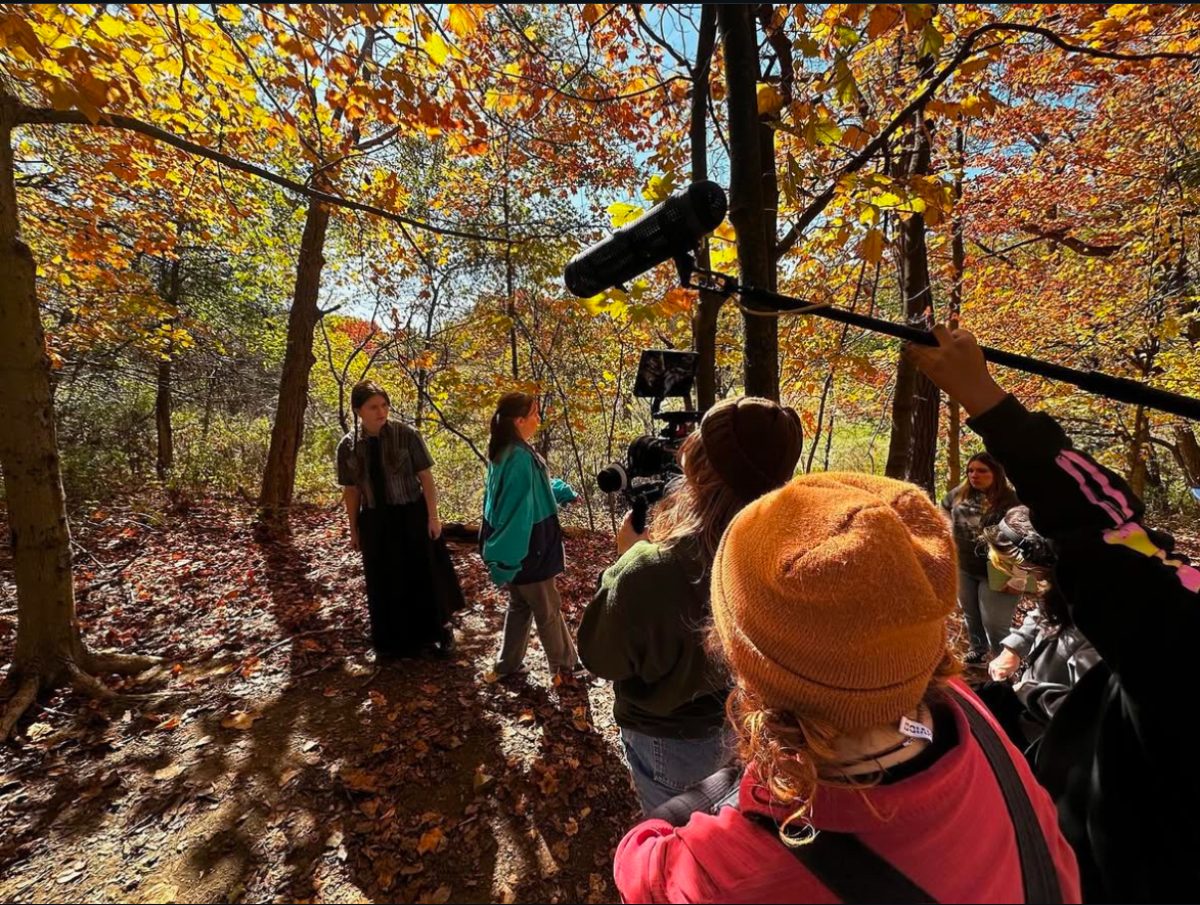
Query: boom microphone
{"type": "Point", "coordinates": [665, 232]}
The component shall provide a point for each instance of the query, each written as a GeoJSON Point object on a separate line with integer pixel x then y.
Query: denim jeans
{"type": "Point", "coordinates": [988, 613]}
{"type": "Point", "coordinates": [664, 767]}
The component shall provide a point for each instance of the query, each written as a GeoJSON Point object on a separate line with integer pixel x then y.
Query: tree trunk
{"type": "Point", "coordinates": [162, 416]}
{"type": "Point", "coordinates": [1136, 472]}
{"type": "Point", "coordinates": [1189, 453]}
{"type": "Point", "coordinates": [510, 301]}
{"type": "Point", "coordinates": [708, 308]}
{"type": "Point", "coordinates": [913, 451]}
{"type": "Point", "coordinates": [279, 479]}
{"type": "Point", "coordinates": [958, 269]}
{"type": "Point", "coordinates": [47, 634]}
{"type": "Point", "coordinates": [747, 204]}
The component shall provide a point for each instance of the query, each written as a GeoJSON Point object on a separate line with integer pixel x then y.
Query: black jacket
{"type": "Point", "coordinates": [1055, 659]}
{"type": "Point", "coordinates": [1118, 756]}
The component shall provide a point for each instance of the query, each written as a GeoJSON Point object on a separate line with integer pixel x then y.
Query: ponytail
{"type": "Point", "coordinates": [503, 429]}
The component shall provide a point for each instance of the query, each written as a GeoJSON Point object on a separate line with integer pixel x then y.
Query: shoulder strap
{"type": "Point", "coordinates": [706, 797]}
{"type": "Point", "coordinates": [850, 870]}
{"type": "Point", "coordinates": [1037, 866]}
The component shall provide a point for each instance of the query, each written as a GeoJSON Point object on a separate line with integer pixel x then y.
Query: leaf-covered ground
{"type": "Point", "coordinates": [292, 768]}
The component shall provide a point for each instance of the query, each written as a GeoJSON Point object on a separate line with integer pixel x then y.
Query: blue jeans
{"type": "Point", "coordinates": [664, 767]}
{"type": "Point", "coordinates": [988, 613]}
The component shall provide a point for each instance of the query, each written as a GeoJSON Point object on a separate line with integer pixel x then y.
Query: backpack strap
{"type": "Point", "coordinates": [1038, 873]}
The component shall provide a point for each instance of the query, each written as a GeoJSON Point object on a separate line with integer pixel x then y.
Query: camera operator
{"type": "Point", "coordinates": [645, 628]}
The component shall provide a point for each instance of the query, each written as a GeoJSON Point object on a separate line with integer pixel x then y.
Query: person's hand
{"type": "Point", "coordinates": [627, 536]}
{"type": "Point", "coordinates": [1002, 668]}
{"type": "Point", "coordinates": [957, 366]}
{"type": "Point", "coordinates": [355, 543]}
{"type": "Point", "coordinates": [435, 527]}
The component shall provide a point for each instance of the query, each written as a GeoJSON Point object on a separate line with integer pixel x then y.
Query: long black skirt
{"type": "Point", "coordinates": [412, 588]}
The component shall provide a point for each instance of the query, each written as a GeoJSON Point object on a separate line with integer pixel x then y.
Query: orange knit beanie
{"type": "Point", "coordinates": [830, 596]}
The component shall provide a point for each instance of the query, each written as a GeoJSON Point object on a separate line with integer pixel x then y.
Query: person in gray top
{"type": "Point", "coordinates": [386, 474]}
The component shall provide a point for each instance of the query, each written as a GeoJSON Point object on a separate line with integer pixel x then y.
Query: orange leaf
{"type": "Point", "coordinates": [430, 841]}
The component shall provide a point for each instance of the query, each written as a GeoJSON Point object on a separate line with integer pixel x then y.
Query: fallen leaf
{"type": "Point", "coordinates": [240, 720]}
{"type": "Point", "coordinates": [163, 893]}
{"type": "Point", "coordinates": [168, 724]}
{"type": "Point", "coordinates": [571, 827]}
{"type": "Point", "coordinates": [580, 719]}
{"type": "Point", "coordinates": [360, 780]}
{"type": "Point", "coordinates": [38, 730]}
{"type": "Point", "coordinates": [483, 779]}
{"type": "Point", "coordinates": [438, 897]}
{"type": "Point", "coordinates": [71, 874]}
{"type": "Point", "coordinates": [168, 773]}
{"type": "Point", "coordinates": [430, 841]}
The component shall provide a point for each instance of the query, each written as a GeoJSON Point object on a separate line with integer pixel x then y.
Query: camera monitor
{"type": "Point", "coordinates": [663, 373]}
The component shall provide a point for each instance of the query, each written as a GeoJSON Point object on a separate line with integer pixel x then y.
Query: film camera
{"type": "Point", "coordinates": [651, 461]}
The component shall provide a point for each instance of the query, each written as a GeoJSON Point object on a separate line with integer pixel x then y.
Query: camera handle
{"type": "Point", "coordinates": [1120, 389]}
{"type": "Point", "coordinates": [639, 514]}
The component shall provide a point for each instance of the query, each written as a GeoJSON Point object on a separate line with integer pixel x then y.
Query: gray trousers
{"type": "Point", "coordinates": [538, 602]}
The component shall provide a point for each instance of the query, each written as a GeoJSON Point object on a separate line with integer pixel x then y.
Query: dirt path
{"type": "Point", "coordinates": [294, 769]}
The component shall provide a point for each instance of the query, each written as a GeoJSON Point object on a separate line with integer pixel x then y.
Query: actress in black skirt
{"type": "Point", "coordinates": [387, 484]}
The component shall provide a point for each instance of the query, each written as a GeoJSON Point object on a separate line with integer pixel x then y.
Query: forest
{"type": "Point", "coordinates": [217, 219]}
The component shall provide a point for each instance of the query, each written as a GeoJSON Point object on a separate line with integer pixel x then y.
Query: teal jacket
{"type": "Point", "coordinates": [520, 538]}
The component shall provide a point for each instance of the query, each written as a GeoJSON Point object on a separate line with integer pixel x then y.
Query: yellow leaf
{"type": "Point", "coordinates": [436, 48]}
{"type": "Point", "coordinates": [622, 213]}
{"type": "Point", "coordinates": [111, 26]}
{"type": "Point", "coordinates": [659, 188]}
{"type": "Point", "coordinates": [232, 12]}
{"type": "Point", "coordinates": [871, 247]}
{"type": "Point", "coordinates": [769, 100]}
{"type": "Point", "coordinates": [462, 21]}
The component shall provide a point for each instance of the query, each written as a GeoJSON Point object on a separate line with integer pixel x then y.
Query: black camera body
{"type": "Point", "coordinates": [653, 460]}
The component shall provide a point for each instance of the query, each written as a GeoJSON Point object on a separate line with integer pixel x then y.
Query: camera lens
{"type": "Point", "coordinates": [612, 479]}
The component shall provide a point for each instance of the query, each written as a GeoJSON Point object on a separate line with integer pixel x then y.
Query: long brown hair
{"type": "Point", "coordinates": [994, 494]}
{"type": "Point", "coordinates": [503, 429]}
{"type": "Point", "coordinates": [700, 505]}
{"type": "Point", "coordinates": [364, 391]}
